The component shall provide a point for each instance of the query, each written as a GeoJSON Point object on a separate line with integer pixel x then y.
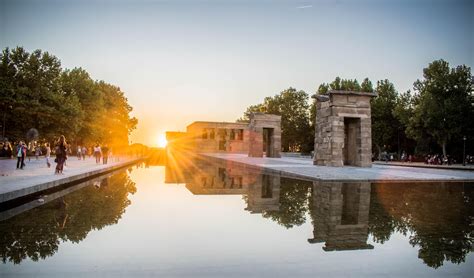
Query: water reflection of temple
{"type": "Point", "coordinates": [204, 177]}
{"type": "Point", "coordinates": [340, 213]}
{"type": "Point", "coordinates": [436, 216]}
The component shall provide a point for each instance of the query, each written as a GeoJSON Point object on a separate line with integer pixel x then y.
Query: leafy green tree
{"type": "Point", "coordinates": [340, 84]}
{"type": "Point", "coordinates": [293, 107]}
{"type": "Point", "coordinates": [384, 124]}
{"type": "Point", "coordinates": [35, 92]}
{"type": "Point", "coordinates": [366, 86]}
{"type": "Point", "coordinates": [323, 89]}
{"type": "Point", "coordinates": [444, 109]}
{"type": "Point", "coordinates": [115, 121]}
{"type": "Point", "coordinates": [77, 83]}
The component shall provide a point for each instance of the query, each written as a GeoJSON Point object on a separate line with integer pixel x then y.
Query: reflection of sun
{"type": "Point", "coordinates": [162, 141]}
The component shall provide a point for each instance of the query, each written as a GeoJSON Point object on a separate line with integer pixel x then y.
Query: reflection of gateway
{"type": "Point", "coordinates": [340, 211]}
{"type": "Point", "coordinates": [203, 177]}
{"type": "Point", "coordinates": [264, 195]}
{"type": "Point", "coordinates": [340, 214]}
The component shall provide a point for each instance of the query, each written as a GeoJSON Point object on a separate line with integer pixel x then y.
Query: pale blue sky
{"type": "Point", "coordinates": [181, 61]}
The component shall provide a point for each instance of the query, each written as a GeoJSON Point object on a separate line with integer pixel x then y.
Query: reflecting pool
{"type": "Point", "coordinates": [208, 218]}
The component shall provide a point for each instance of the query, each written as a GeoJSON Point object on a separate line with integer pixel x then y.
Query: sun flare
{"type": "Point", "coordinates": [162, 142]}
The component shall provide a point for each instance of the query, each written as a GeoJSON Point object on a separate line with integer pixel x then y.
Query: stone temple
{"type": "Point", "coordinates": [257, 138]}
{"type": "Point", "coordinates": [343, 133]}
{"type": "Point", "coordinates": [343, 129]}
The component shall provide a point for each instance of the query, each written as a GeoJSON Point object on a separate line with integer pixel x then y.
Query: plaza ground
{"type": "Point", "coordinates": [36, 176]}
{"type": "Point", "coordinates": [303, 168]}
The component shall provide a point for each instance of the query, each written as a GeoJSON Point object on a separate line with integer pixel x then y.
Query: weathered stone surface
{"type": "Point", "coordinates": [272, 124]}
{"type": "Point", "coordinates": [343, 129]}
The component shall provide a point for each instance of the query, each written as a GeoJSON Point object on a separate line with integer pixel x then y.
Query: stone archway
{"type": "Point", "coordinates": [343, 129]}
{"type": "Point", "coordinates": [264, 135]}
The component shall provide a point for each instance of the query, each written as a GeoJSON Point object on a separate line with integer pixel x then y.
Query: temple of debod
{"type": "Point", "coordinates": [260, 137]}
{"type": "Point", "coordinates": [342, 135]}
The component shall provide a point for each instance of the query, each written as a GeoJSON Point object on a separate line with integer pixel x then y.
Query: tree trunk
{"type": "Point", "coordinates": [444, 148]}
{"type": "Point", "coordinates": [380, 152]}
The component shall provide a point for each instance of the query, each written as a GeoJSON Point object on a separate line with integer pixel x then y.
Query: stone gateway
{"type": "Point", "coordinates": [343, 129]}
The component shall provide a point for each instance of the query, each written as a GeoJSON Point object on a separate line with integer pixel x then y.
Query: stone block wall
{"type": "Point", "coordinates": [330, 205]}
{"type": "Point", "coordinates": [259, 122]}
{"type": "Point", "coordinates": [335, 113]}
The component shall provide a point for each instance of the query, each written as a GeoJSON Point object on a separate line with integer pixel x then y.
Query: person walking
{"type": "Point", "coordinates": [61, 154]}
{"type": "Point", "coordinates": [105, 154]}
{"type": "Point", "coordinates": [37, 152]}
{"type": "Point", "coordinates": [97, 153]}
{"type": "Point", "coordinates": [20, 154]}
{"type": "Point", "coordinates": [48, 154]}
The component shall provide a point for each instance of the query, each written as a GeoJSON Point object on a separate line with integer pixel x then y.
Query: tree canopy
{"type": "Point", "coordinates": [444, 106]}
{"type": "Point", "coordinates": [35, 92]}
{"type": "Point", "coordinates": [293, 106]}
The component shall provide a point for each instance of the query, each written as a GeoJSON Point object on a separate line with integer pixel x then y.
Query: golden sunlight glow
{"type": "Point", "coordinates": [162, 141]}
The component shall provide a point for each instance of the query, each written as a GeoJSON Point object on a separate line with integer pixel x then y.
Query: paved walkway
{"type": "Point", "coordinates": [424, 165]}
{"type": "Point", "coordinates": [36, 176]}
{"type": "Point", "coordinates": [304, 168]}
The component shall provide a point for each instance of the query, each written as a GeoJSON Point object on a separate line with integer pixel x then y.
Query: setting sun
{"type": "Point", "coordinates": [162, 141]}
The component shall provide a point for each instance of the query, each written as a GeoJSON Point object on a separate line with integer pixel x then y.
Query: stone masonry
{"type": "Point", "coordinates": [264, 125]}
{"type": "Point", "coordinates": [340, 213]}
{"type": "Point", "coordinates": [343, 129]}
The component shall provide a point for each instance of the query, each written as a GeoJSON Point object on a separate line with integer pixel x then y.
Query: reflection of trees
{"type": "Point", "coordinates": [436, 215]}
{"type": "Point", "coordinates": [293, 203]}
{"type": "Point", "coordinates": [37, 233]}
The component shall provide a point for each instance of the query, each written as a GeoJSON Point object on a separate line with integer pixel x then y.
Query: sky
{"type": "Point", "coordinates": [184, 61]}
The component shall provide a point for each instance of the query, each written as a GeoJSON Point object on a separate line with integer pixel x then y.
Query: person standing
{"type": "Point", "coordinates": [79, 152]}
{"type": "Point", "coordinates": [97, 153]}
{"type": "Point", "coordinates": [61, 154]}
{"type": "Point", "coordinates": [48, 154]}
{"type": "Point", "coordinates": [105, 154]}
{"type": "Point", "coordinates": [84, 152]}
{"type": "Point", "coordinates": [6, 150]}
{"type": "Point", "coordinates": [20, 154]}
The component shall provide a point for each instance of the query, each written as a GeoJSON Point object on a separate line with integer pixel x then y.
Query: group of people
{"type": "Point", "coordinates": [61, 151]}
{"type": "Point", "coordinates": [97, 151]}
{"type": "Point", "coordinates": [437, 159]}
{"type": "Point", "coordinates": [469, 159]}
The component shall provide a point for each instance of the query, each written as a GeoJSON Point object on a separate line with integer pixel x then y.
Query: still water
{"type": "Point", "coordinates": [205, 218]}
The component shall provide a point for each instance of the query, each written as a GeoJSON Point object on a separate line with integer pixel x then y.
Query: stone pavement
{"type": "Point", "coordinates": [36, 176]}
{"type": "Point", "coordinates": [424, 165]}
{"type": "Point", "coordinates": [303, 168]}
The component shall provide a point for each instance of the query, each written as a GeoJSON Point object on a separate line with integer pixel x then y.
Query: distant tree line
{"type": "Point", "coordinates": [433, 118]}
{"type": "Point", "coordinates": [36, 93]}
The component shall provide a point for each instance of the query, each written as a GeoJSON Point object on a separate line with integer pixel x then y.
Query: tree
{"type": "Point", "coordinates": [35, 92]}
{"type": "Point", "coordinates": [384, 124]}
{"type": "Point", "coordinates": [293, 107]}
{"type": "Point", "coordinates": [366, 86]}
{"type": "Point", "coordinates": [340, 84]}
{"type": "Point", "coordinates": [444, 109]}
